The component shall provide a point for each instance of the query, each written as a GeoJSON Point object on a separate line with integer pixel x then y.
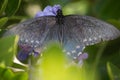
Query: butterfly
{"type": "Point", "coordinates": [73, 32]}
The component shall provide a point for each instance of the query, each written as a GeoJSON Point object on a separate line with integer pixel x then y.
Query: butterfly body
{"type": "Point", "coordinates": [73, 32]}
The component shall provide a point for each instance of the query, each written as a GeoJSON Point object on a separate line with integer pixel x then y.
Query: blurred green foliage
{"type": "Point", "coordinates": [113, 71]}
{"type": "Point", "coordinates": [14, 11]}
{"type": "Point", "coordinates": [55, 66]}
{"type": "Point", "coordinates": [8, 49]}
{"type": "Point", "coordinates": [108, 9]}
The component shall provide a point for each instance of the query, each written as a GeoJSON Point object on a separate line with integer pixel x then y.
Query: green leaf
{"type": "Point", "coordinates": [21, 76]}
{"type": "Point", "coordinates": [20, 66]}
{"type": "Point", "coordinates": [8, 47]}
{"type": "Point", "coordinates": [12, 7]}
{"type": "Point", "coordinates": [113, 71]}
{"type": "Point", "coordinates": [116, 23]}
{"type": "Point", "coordinates": [53, 53]}
{"type": "Point", "coordinates": [3, 7]}
{"type": "Point", "coordinates": [53, 2]}
{"type": "Point", "coordinates": [61, 2]}
{"type": "Point", "coordinates": [79, 7]}
{"type": "Point", "coordinates": [2, 67]}
{"type": "Point", "coordinates": [53, 63]}
{"type": "Point", "coordinates": [108, 9]}
{"type": "Point", "coordinates": [7, 74]}
{"type": "Point", "coordinates": [3, 21]}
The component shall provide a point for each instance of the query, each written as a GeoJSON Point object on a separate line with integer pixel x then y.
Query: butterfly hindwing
{"type": "Point", "coordinates": [80, 31]}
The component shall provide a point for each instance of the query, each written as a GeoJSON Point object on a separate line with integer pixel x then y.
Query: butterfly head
{"type": "Point", "coordinates": [59, 17]}
{"type": "Point", "coordinates": [59, 13]}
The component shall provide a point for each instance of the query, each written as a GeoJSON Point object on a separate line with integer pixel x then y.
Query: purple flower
{"type": "Point", "coordinates": [81, 57]}
{"type": "Point", "coordinates": [49, 11]}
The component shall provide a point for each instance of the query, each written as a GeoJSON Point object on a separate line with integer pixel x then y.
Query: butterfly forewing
{"type": "Point", "coordinates": [34, 31]}
{"type": "Point", "coordinates": [89, 30]}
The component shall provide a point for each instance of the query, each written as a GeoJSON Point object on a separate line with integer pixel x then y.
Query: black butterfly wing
{"type": "Point", "coordinates": [81, 31]}
{"type": "Point", "coordinates": [89, 30]}
{"type": "Point", "coordinates": [33, 32]}
{"type": "Point", "coordinates": [75, 33]}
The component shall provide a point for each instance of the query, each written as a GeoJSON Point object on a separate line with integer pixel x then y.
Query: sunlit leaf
{"type": "Point", "coordinates": [3, 21]}
{"type": "Point", "coordinates": [21, 76]}
{"type": "Point", "coordinates": [79, 7]}
{"type": "Point", "coordinates": [7, 74]}
{"type": "Point", "coordinates": [8, 47]}
{"type": "Point", "coordinates": [3, 7]}
{"type": "Point", "coordinates": [2, 67]}
{"type": "Point", "coordinates": [53, 63]}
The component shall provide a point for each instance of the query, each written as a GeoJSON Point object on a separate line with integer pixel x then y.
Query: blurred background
{"type": "Point", "coordinates": [15, 11]}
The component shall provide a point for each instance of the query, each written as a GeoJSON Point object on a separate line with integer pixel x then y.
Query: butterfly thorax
{"type": "Point", "coordinates": [59, 17]}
